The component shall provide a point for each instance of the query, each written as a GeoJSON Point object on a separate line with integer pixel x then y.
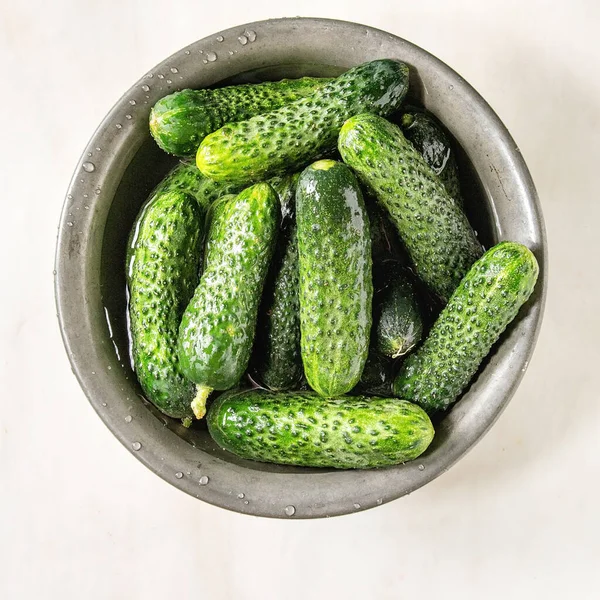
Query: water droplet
{"type": "Point", "coordinates": [187, 52]}
{"type": "Point", "coordinates": [290, 510]}
{"type": "Point", "coordinates": [85, 196]}
{"type": "Point", "coordinates": [136, 446]}
{"type": "Point", "coordinates": [93, 372]}
{"type": "Point", "coordinates": [451, 86]}
{"type": "Point", "coordinates": [104, 404]}
{"type": "Point", "coordinates": [132, 102]}
{"type": "Point", "coordinates": [150, 75]}
{"type": "Point", "coordinates": [128, 117]}
{"type": "Point", "coordinates": [98, 149]}
{"type": "Point", "coordinates": [243, 40]}
{"type": "Point", "coordinates": [168, 81]}
{"type": "Point", "coordinates": [118, 125]}
{"type": "Point", "coordinates": [205, 62]}
{"type": "Point", "coordinates": [88, 167]}
{"type": "Point", "coordinates": [203, 480]}
{"type": "Point", "coordinates": [241, 496]}
{"type": "Point", "coordinates": [160, 76]}
{"type": "Point", "coordinates": [179, 474]}
{"type": "Point", "coordinates": [128, 419]}
{"type": "Point", "coordinates": [421, 467]}
{"type": "Point", "coordinates": [245, 501]}
{"type": "Point", "coordinates": [356, 505]}
{"type": "Point", "coordinates": [379, 501]}
{"type": "Point", "coordinates": [211, 56]}
{"type": "Point", "coordinates": [251, 35]}
{"type": "Point", "coordinates": [231, 53]}
{"type": "Point", "coordinates": [70, 223]}
{"type": "Point", "coordinates": [89, 153]}
{"type": "Point", "coordinates": [97, 191]}
{"type": "Point", "coordinates": [70, 197]}
{"type": "Point", "coordinates": [220, 38]}
{"type": "Point", "coordinates": [86, 207]}
{"type": "Point", "coordinates": [146, 88]}
{"type": "Point", "coordinates": [174, 70]}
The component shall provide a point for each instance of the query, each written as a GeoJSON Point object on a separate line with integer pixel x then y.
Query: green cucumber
{"type": "Point", "coordinates": [435, 231]}
{"type": "Point", "coordinates": [217, 328]}
{"type": "Point", "coordinates": [433, 142]}
{"type": "Point", "coordinates": [301, 428]}
{"type": "Point", "coordinates": [277, 363]}
{"type": "Point", "coordinates": [213, 220]}
{"type": "Point", "coordinates": [180, 121]}
{"type": "Point", "coordinates": [480, 309]}
{"type": "Point", "coordinates": [163, 259]}
{"type": "Point", "coordinates": [336, 287]}
{"type": "Point", "coordinates": [289, 138]}
{"type": "Point", "coordinates": [397, 322]}
{"type": "Point", "coordinates": [185, 177]}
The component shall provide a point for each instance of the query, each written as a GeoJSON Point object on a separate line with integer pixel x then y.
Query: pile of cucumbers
{"type": "Point", "coordinates": [316, 262]}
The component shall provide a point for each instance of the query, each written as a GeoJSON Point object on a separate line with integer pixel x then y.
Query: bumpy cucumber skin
{"type": "Point", "coordinates": [217, 328]}
{"type": "Point", "coordinates": [336, 287]}
{"type": "Point", "coordinates": [180, 121]}
{"type": "Point", "coordinates": [486, 301]}
{"type": "Point", "coordinates": [398, 321]}
{"type": "Point", "coordinates": [185, 177]}
{"type": "Point", "coordinates": [163, 259]}
{"type": "Point", "coordinates": [430, 138]}
{"type": "Point", "coordinates": [302, 428]}
{"type": "Point", "coordinates": [289, 138]}
{"type": "Point", "coordinates": [435, 231]}
{"type": "Point", "coordinates": [277, 361]}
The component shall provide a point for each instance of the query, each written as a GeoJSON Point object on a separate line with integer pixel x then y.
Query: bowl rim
{"type": "Point", "coordinates": [208, 477]}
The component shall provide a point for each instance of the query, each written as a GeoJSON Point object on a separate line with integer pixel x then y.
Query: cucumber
{"type": "Point", "coordinates": [185, 177]}
{"type": "Point", "coordinates": [377, 376]}
{"type": "Point", "coordinates": [180, 121]}
{"type": "Point", "coordinates": [301, 428]}
{"type": "Point", "coordinates": [217, 327]}
{"type": "Point", "coordinates": [434, 143]}
{"type": "Point", "coordinates": [336, 287]}
{"type": "Point", "coordinates": [277, 363]}
{"type": "Point", "coordinates": [163, 260]}
{"type": "Point", "coordinates": [397, 321]}
{"type": "Point", "coordinates": [435, 231]}
{"type": "Point", "coordinates": [213, 220]}
{"type": "Point", "coordinates": [485, 302]}
{"type": "Point", "coordinates": [289, 138]}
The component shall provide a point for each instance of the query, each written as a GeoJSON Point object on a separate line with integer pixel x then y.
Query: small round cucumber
{"type": "Point", "coordinates": [336, 287]}
{"type": "Point", "coordinates": [291, 137]}
{"type": "Point", "coordinates": [397, 322]}
{"type": "Point", "coordinates": [480, 309]}
{"type": "Point", "coordinates": [163, 262]}
{"type": "Point", "coordinates": [180, 121]}
{"type": "Point", "coordinates": [435, 231]}
{"type": "Point", "coordinates": [218, 325]}
{"type": "Point", "coordinates": [302, 428]}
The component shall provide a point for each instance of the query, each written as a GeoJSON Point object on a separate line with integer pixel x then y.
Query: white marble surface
{"type": "Point", "coordinates": [81, 518]}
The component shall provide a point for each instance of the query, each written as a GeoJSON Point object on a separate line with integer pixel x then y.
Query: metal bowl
{"type": "Point", "coordinates": [120, 166]}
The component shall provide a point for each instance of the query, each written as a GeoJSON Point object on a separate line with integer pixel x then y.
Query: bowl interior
{"type": "Point", "coordinates": [148, 166]}
{"type": "Point", "coordinates": [121, 165]}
